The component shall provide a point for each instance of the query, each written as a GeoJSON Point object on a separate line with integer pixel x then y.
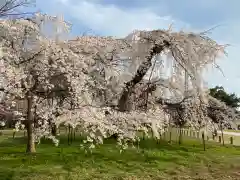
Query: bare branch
{"type": "Point", "coordinates": [11, 7]}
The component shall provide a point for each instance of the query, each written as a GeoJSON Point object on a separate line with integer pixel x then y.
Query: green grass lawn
{"type": "Point", "coordinates": [150, 161]}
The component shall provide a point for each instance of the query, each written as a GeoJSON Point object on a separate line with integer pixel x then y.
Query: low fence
{"type": "Point", "coordinates": [172, 134]}
{"type": "Point", "coordinates": [221, 137]}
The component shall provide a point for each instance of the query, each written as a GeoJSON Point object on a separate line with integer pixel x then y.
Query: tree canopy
{"type": "Point", "coordinates": [230, 99]}
{"type": "Point", "coordinates": [81, 82]}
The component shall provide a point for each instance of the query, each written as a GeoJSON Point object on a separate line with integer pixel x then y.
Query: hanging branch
{"type": "Point", "coordinates": [148, 85]}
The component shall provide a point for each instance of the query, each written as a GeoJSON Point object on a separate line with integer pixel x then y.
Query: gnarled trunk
{"type": "Point", "coordinates": [124, 103]}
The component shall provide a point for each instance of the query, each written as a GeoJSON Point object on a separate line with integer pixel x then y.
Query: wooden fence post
{"type": "Point", "coordinates": [170, 136]}
{"type": "Point", "coordinates": [14, 133]}
{"type": "Point", "coordinates": [69, 131]}
{"type": "Point", "coordinates": [231, 140]}
{"type": "Point", "coordinates": [203, 139]}
{"type": "Point", "coordinates": [222, 137]}
{"type": "Point", "coordinates": [180, 136]}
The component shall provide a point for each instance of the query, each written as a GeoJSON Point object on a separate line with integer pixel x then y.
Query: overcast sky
{"type": "Point", "coordinates": [120, 17]}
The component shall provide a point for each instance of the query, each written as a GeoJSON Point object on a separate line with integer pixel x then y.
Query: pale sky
{"type": "Point", "coordinates": [120, 17]}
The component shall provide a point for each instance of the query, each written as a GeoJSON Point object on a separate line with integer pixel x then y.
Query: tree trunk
{"type": "Point", "coordinates": [30, 140]}
{"type": "Point", "coordinates": [222, 135]}
{"type": "Point", "coordinates": [69, 131]}
{"type": "Point", "coordinates": [54, 130]}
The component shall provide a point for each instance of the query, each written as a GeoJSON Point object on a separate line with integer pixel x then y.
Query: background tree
{"type": "Point", "coordinates": [231, 99]}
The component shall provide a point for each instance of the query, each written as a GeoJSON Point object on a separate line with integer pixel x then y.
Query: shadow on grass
{"type": "Point", "coordinates": [7, 174]}
{"type": "Point", "coordinates": [145, 151]}
{"type": "Point", "coordinates": [9, 142]}
{"type": "Point", "coordinates": [147, 144]}
{"type": "Point", "coordinates": [71, 155]}
{"type": "Point", "coordinates": [173, 146]}
{"type": "Point", "coordinates": [147, 156]}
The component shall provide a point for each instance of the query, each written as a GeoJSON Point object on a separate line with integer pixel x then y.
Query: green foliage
{"type": "Point", "coordinates": [219, 93]}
